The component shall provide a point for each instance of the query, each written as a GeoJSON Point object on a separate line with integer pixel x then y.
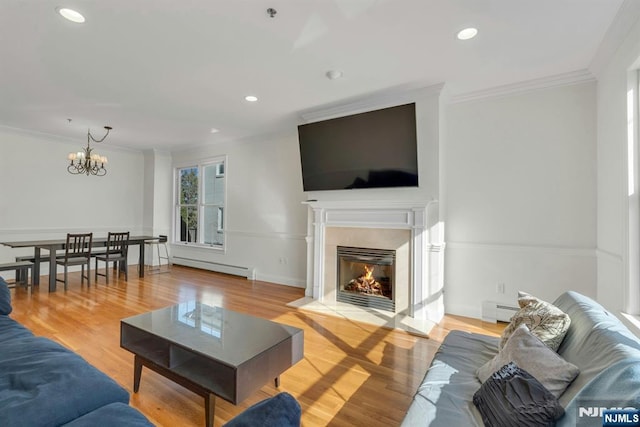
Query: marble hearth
{"type": "Point", "coordinates": [410, 228]}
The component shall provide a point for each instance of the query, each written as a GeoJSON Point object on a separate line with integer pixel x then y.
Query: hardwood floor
{"type": "Point", "coordinates": [352, 373]}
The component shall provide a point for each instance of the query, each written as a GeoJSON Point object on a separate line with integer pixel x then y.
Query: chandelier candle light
{"type": "Point", "coordinates": [83, 162]}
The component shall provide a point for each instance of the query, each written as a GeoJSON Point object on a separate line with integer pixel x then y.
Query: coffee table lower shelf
{"type": "Point", "coordinates": [208, 395]}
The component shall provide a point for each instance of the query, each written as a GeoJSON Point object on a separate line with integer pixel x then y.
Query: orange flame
{"type": "Point", "coordinates": [369, 273]}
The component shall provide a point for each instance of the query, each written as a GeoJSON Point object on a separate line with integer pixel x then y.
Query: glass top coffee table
{"type": "Point", "coordinates": [210, 350]}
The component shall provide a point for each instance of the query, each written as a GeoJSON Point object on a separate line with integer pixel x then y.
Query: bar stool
{"type": "Point", "coordinates": [156, 243]}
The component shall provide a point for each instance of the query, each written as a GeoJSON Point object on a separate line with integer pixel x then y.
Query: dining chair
{"type": "Point", "coordinates": [77, 252]}
{"type": "Point", "coordinates": [117, 249]}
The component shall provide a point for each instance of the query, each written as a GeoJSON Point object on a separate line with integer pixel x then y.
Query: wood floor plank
{"type": "Point", "coordinates": [352, 373]}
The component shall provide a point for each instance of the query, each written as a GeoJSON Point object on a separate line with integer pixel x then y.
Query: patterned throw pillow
{"type": "Point", "coordinates": [544, 320]}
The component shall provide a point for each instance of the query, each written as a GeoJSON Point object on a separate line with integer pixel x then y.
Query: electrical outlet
{"type": "Point", "coordinates": [500, 288]}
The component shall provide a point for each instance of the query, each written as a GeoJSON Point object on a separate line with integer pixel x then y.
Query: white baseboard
{"type": "Point", "coordinates": [235, 270]}
{"type": "Point", "coordinates": [281, 280]}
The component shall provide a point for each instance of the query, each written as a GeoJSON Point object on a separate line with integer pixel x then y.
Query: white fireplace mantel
{"type": "Point", "coordinates": [426, 248]}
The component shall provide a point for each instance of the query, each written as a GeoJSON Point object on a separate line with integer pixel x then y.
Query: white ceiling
{"type": "Point", "coordinates": [162, 73]}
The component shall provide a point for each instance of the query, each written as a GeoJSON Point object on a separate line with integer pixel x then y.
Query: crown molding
{"type": "Point", "coordinates": [36, 134]}
{"type": "Point", "coordinates": [383, 99]}
{"type": "Point", "coordinates": [50, 137]}
{"type": "Point", "coordinates": [557, 80]}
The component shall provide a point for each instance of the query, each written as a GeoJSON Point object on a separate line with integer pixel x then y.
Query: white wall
{"type": "Point", "coordinates": [614, 285]}
{"type": "Point", "coordinates": [265, 218]}
{"type": "Point", "coordinates": [39, 199]}
{"type": "Point", "coordinates": [519, 189]}
{"type": "Point", "coordinates": [158, 185]}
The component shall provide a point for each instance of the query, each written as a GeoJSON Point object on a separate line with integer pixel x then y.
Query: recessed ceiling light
{"type": "Point", "coordinates": [71, 15]}
{"type": "Point", "coordinates": [467, 33]}
{"type": "Point", "coordinates": [251, 98]}
{"type": "Point", "coordinates": [214, 130]}
{"type": "Point", "coordinates": [334, 74]}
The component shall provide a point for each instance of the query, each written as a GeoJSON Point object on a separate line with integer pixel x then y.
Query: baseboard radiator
{"type": "Point", "coordinates": [497, 312]}
{"type": "Point", "coordinates": [235, 270]}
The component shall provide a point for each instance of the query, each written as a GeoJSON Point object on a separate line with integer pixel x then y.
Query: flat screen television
{"type": "Point", "coordinates": [376, 149]}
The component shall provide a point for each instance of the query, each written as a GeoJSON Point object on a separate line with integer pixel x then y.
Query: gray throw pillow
{"type": "Point", "coordinates": [512, 397]}
{"type": "Point", "coordinates": [544, 320]}
{"type": "Point", "coordinates": [5, 298]}
{"type": "Point", "coordinates": [529, 353]}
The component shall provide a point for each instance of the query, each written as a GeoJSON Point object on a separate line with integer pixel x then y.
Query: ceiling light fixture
{"type": "Point", "coordinates": [214, 130]}
{"type": "Point", "coordinates": [334, 74]}
{"type": "Point", "coordinates": [251, 98]}
{"type": "Point", "coordinates": [83, 162]}
{"type": "Point", "coordinates": [467, 33]}
{"type": "Point", "coordinates": [71, 15]}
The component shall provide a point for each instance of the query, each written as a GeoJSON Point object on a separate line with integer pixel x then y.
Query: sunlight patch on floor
{"type": "Point", "coordinates": [366, 315]}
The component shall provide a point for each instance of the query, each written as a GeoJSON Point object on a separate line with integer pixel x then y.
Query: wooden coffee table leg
{"type": "Point", "coordinates": [209, 409]}
{"type": "Point", "coordinates": [137, 373]}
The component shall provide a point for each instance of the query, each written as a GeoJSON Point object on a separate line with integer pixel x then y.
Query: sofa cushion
{"type": "Point", "coordinates": [543, 319]}
{"type": "Point", "coordinates": [512, 397]}
{"type": "Point", "coordinates": [444, 398]}
{"type": "Point", "coordinates": [5, 298]}
{"type": "Point", "coordinates": [43, 383]}
{"type": "Point", "coordinates": [281, 410]}
{"type": "Point", "coordinates": [114, 414]}
{"type": "Point", "coordinates": [532, 355]}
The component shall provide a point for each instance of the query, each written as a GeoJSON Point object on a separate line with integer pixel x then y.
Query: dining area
{"type": "Point", "coordinates": [94, 255]}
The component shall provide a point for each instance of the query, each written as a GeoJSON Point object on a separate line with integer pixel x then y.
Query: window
{"type": "Point", "coordinates": [200, 204]}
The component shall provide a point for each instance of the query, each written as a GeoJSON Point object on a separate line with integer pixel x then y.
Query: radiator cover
{"type": "Point", "coordinates": [497, 311]}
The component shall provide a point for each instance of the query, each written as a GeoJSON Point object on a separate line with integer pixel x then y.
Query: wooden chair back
{"type": "Point", "coordinates": [118, 244]}
{"type": "Point", "coordinates": [78, 245]}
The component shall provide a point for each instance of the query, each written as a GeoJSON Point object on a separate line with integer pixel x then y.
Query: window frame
{"type": "Point", "coordinates": [200, 165]}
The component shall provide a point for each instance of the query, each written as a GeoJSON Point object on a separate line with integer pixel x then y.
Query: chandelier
{"type": "Point", "coordinates": [84, 162]}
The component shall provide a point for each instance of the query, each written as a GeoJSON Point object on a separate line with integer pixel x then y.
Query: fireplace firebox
{"type": "Point", "coordinates": [366, 277]}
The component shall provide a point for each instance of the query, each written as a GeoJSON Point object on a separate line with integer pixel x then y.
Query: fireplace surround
{"type": "Point", "coordinates": [411, 228]}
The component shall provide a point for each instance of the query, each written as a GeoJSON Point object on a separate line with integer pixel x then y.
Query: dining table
{"type": "Point", "coordinates": [55, 245]}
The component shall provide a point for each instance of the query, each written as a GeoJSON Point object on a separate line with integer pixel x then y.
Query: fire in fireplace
{"type": "Point", "coordinates": [366, 277]}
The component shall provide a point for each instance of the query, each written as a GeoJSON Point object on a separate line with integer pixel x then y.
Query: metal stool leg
{"type": "Point", "coordinates": [166, 257]}
{"type": "Point", "coordinates": [156, 244]}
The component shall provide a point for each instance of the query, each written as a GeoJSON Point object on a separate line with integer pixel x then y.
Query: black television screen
{"type": "Point", "coordinates": [375, 149]}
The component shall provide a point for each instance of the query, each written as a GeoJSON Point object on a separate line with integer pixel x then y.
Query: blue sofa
{"type": "Point", "coordinates": [44, 384]}
{"type": "Point", "coordinates": [605, 351]}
